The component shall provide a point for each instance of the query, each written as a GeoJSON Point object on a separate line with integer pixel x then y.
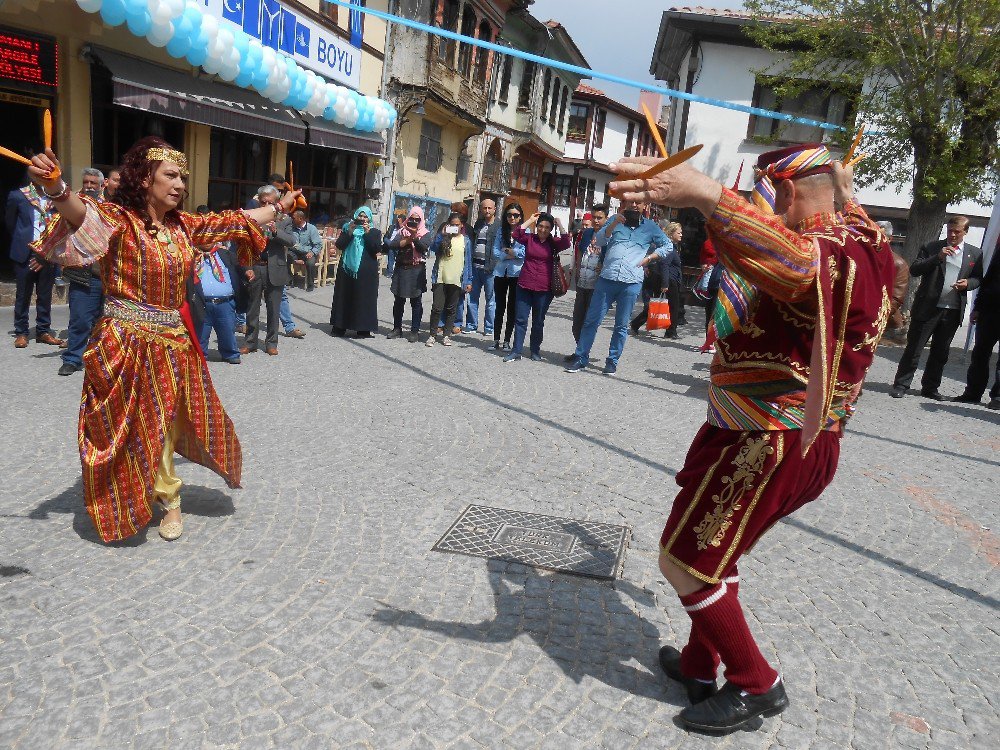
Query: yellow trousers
{"type": "Point", "coordinates": [167, 485]}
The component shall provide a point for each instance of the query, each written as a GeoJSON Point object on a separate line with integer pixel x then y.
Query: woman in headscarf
{"type": "Point", "coordinates": [355, 292]}
{"type": "Point", "coordinates": [409, 276]}
{"type": "Point", "coordinates": [452, 275]}
{"type": "Point", "coordinates": [146, 387]}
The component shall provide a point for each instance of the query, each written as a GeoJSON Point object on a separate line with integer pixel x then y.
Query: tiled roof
{"type": "Point", "coordinates": [702, 11]}
{"type": "Point", "coordinates": [585, 89]}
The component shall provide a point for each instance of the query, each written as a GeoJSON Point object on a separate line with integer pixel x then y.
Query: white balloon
{"type": "Point", "coordinates": [176, 7]}
{"type": "Point", "coordinates": [160, 33]}
{"type": "Point", "coordinates": [90, 6]}
{"type": "Point", "coordinates": [211, 65]}
{"type": "Point", "coordinates": [229, 72]}
{"type": "Point", "coordinates": [160, 11]}
{"type": "Point", "coordinates": [210, 27]}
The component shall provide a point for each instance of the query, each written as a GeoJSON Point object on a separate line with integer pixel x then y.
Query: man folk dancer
{"type": "Point", "coordinates": [803, 302]}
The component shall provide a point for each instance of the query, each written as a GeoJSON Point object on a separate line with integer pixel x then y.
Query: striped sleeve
{"type": "Point", "coordinates": [60, 244]}
{"type": "Point", "coordinates": [761, 249]}
{"type": "Point", "coordinates": [227, 226]}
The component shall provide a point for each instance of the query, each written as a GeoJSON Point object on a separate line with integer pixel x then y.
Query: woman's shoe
{"type": "Point", "coordinates": [171, 530]}
{"type": "Point", "coordinates": [430, 340]}
{"type": "Point", "coordinates": [445, 341]}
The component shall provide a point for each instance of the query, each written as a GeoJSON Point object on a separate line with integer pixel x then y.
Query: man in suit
{"type": "Point", "coordinates": [948, 269]}
{"type": "Point", "coordinates": [267, 278]}
{"type": "Point", "coordinates": [986, 316]}
{"type": "Point", "coordinates": [27, 212]}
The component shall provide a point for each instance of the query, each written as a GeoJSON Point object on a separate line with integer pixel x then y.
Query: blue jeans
{"type": "Point", "coordinates": [390, 261]}
{"type": "Point", "coordinates": [241, 319]}
{"type": "Point", "coordinates": [482, 281]}
{"type": "Point", "coordinates": [537, 304]}
{"type": "Point", "coordinates": [221, 317]}
{"type": "Point", "coordinates": [285, 313]}
{"type": "Point", "coordinates": [31, 283]}
{"type": "Point", "coordinates": [623, 296]}
{"type": "Point", "coordinates": [84, 310]}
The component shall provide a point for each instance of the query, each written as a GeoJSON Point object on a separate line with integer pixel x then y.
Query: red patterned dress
{"type": "Point", "coordinates": [144, 376]}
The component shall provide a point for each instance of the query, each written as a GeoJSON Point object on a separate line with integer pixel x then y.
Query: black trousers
{"type": "Point", "coordinates": [416, 313]}
{"type": "Point", "coordinates": [446, 298]}
{"type": "Point", "coordinates": [259, 288]}
{"type": "Point", "coordinates": [310, 273]}
{"type": "Point", "coordinates": [939, 329]}
{"type": "Point", "coordinates": [38, 283]}
{"type": "Point", "coordinates": [505, 291]}
{"type": "Point", "coordinates": [580, 306]}
{"type": "Point", "coordinates": [987, 336]}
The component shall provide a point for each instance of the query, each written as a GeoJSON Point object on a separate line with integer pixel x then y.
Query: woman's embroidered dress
{"type": "Point", "coordinates": [143, 373]}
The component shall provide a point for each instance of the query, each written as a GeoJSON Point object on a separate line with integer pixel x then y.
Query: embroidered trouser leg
{"type": "Point", "coordinates": [167, 484]}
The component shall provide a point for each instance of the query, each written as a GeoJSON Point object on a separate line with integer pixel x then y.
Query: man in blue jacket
{"type": "Point", "coordinates": [628, 243]}
{"type": "Point", "coordinates": [27, 212]}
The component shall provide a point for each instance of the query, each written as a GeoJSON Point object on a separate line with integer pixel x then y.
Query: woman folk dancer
{"type": "Point", "coordinates": [146, 390]}
{"type": "Point", "coordinates": [803, 302]}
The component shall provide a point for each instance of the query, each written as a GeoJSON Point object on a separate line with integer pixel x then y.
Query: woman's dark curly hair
{"type": "Point", "coordinates": [136, 169]}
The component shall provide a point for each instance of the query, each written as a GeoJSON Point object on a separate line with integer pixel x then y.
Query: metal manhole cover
{"type": "Point", "coordinates": [565, 545]}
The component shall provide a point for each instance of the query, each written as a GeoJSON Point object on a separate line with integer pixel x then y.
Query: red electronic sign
{"type": "Point", "coordinates": [28, 58]}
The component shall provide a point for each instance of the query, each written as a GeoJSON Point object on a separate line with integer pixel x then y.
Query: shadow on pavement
{"type": "Point", "coordinates": [964, 410]}
{"type": "Point", "coordinates": [596, 641]}
{"type": "Point", "coordinates": [962, 591]}
{"type": "Point", "coordinates": [197, 501]}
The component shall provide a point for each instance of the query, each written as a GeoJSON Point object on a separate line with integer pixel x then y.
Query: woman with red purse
{"type": "Point", "coordinates": [534, 285]}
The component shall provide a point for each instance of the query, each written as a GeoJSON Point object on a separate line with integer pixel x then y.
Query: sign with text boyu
{"type": "Point", "coordinates": [291, 33]}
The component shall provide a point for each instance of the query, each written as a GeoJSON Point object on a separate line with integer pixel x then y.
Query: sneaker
{"type": "Point", "coordinates": [395, 333]}
{"type": "Point", "coordinates": [506, 346]}
{"type": "Point", "coordinates": [496, 345]}
{"type": "Point", "coordinates": [512, 357]}
{"type": "Point", "coordinates": [610, 368]}
{"type": "Point", "coordinates": [994, 404]}
{"type": "Point", "coordinates": [569, 357]}
{"type": "Point", "coordinates": [430, 340]}
{"type": "Point", "coordinates": [446, 341]}
{"type": "Point", "coordinates": [412, 337]}
{"type": "Point", "coordinates": [536, 357]}
{"type": "Point", "coordinates": [576, 366]}
{"type": "Point", "coordinates": [486, 333]}
{"type": "Point", "coordinates": [468, 330]}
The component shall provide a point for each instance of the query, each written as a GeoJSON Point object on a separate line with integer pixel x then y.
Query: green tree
{"type": "Point", "coordinates": [929, 73]}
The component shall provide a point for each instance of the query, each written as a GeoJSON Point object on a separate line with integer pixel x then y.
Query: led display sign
{"type": "Point", "coordinates": [28, 58]}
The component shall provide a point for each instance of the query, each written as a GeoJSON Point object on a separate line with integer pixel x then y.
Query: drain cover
{"type": "Point", "coordinates": [565, 545]}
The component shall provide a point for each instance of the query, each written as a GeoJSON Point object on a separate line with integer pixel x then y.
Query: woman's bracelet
{"type": "Point", "coordinates": [63, 194]}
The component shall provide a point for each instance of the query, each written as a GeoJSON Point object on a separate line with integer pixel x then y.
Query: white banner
{"type": "Point", "coordinates": [286, 31]}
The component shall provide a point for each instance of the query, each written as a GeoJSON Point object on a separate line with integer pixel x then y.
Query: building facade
{"type": "Point", "coordinates": [107, 87]}
{"type": "Point", "coordinates": [529, 112]}
{"type": "Point", "coordinates": [705, 52]}
{"type": "Point", "coordinates": [441, 90]}
{"type": "Point", "coordinates": [599, 131]}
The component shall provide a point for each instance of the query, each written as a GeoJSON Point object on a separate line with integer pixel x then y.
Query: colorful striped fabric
{"type": "Point", "coordinates": [143, 375]}
{"type": "Point", "coordinates": [763, 194]}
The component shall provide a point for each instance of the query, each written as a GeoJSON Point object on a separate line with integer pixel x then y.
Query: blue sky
{"type": "Point", "coordinates": [615, 42]}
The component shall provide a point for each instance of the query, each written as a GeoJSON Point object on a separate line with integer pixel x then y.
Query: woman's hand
{"type": "Point", "coordinates": [468, 288]}
{"type": "Point", "coordinates": [45, 171]}
{"type": "Point", "coordinates": [531, 220]}
{"type": "Point", "coordinates": [287, 201]}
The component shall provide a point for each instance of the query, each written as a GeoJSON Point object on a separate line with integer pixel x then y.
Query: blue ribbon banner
{"type": "Point", "coordinates": [585, 72]}
{"type": "Point", "coordinates": [284, 30]}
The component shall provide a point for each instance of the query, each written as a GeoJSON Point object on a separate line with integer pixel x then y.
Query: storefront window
{"type": "Point", "coordinates": [239, 164]}
{"type": "Point", "coordinates": [333, 181]}
{"type": "Point", "coordinates": [116, 128]}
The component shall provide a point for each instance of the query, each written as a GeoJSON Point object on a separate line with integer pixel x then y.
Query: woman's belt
{"type": "Point", "coordinates": [138, 313]}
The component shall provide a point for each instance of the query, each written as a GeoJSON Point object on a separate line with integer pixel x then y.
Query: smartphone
{"type": "Point", "coordinates": [451, 229]}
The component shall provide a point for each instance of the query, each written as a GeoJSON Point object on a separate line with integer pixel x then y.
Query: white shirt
{"type": "Point", "coordinates": [952, 268]}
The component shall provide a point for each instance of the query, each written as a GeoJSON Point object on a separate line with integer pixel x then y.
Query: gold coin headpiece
{"type": "Point", "coordinates": [159, 153]}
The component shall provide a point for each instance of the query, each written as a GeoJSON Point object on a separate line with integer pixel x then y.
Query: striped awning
{"type": "Point", "coordinates": [330, 135]}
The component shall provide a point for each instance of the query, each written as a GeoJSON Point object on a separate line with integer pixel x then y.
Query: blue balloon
{"type": "Point", "coordinates": [244, 79]}
{"type": "Point", "coordinates": [113, 12]}
{"type": "Point", "coordinates": [197, 55]}
{"type": "Point", "coordinates": [182, 27]}
{"type": "Point", "coordinates": [260, 77]}
{"type": "Point", "coordinates": [139, 23]}
{"type": "Point", "coordinates": [241, 41]}
{"type": "Point", "coordinates": [330, 113]}
{"type": "Point", "coordinates": [179, 46]}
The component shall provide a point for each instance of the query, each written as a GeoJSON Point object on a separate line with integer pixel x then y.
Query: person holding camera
{"type": "Point", "coordinates": [355, 292]}
{"type": "Point", "coordinates": [409, 273]}
{"type": "Point", "coordinates": [452, 276]}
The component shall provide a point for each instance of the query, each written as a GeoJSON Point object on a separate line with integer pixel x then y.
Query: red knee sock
{"type": "Point", "coordinates": [699, 658]}
{"type": "Point", "coordinates": [716, 613]}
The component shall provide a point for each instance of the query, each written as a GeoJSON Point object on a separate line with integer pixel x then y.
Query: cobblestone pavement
{"type": "Point", "coordinates": [308, 610]}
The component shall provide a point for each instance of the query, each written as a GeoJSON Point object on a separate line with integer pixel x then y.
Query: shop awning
{"type": "Point", "coordinates": [153, 88]}
{"type": "Point", "coordinates": [330, 135]}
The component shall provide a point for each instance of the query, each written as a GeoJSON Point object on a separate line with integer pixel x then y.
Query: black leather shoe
{"type": "Point", "coordinates": [67, 369]}
{"type": "Point", "coordinates": [731, 708]}
{"type": "Point", "coordinates": [697, 691]}
{"type": "Point", "coordinates": [897, 392]}
{"type": "Point", "coordinates": [967, 398]}
{"type": "Point", "coordinates": [934, 395]}
{"type": "Point", "coordinates": [994, 404]}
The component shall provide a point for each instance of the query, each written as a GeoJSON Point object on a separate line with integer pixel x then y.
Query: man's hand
{"type": "Point", "coordinates": [34, 264]}
{"type": "Point", "coordinates": [680, 187]}
{"type": "Point", "coordinates": [946, 251]}
{"type": "Point", "coordinates": [309, 256]}
{"type": "Point", "coordinates": [843, 183]}
{"type": "Point", "coordinates": [249, 274]}
{"type": "Point", "coordinates": [961, 285]}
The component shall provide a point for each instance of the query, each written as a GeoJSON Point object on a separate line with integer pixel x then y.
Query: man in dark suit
{"type": "Point", "coordinates": [27, 212]}
{"type": "Point", "coordinates": [986, 316]}
{"type": "Point", "coordinates": [948, 269]}
{"type": "Point", "coordinates": [267, 278]}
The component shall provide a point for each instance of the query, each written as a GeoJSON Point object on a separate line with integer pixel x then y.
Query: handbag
{"type": "Point", "coordinates": [700, 287]}
{"type": "Point", "coordinates": [560, 284]}
{"type": "Point", "coordinates": [658, 318]}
